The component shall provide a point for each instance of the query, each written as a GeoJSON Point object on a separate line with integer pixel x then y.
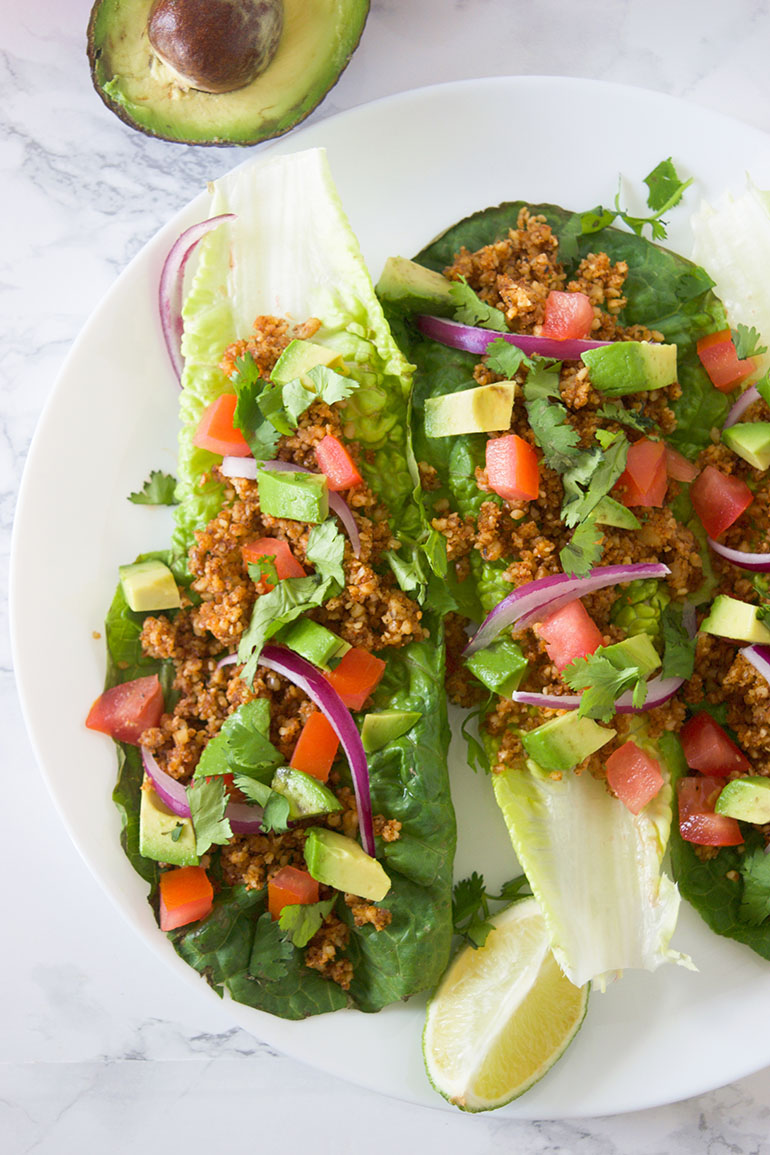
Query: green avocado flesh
{"type": "Point", "coordinates": [481, 410]}
{"type": "Point", "coordinates": [732, 618]}
{"type": "Point", "coordinates": [317, 42]}
{"type": "Point", "coordinates": [304, 793]}
{"type": "Point", "coordinates": [163, 836]}
{"type": "Point", "coordinates": [751, 442]}
{"type": "Point", "coordinates": [408, 287]}
{"type": "Point", "coordinates": [566, 741]}
{"type": "Point", "coordinates": [747, 799]}
{"type": "Point", "coordinates": [630, 367]}
{"type": "Point", "coordinates": [338, 861]}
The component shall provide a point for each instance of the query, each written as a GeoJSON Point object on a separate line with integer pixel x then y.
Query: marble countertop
{"type": "Point", "coordinates": [101, 1047]}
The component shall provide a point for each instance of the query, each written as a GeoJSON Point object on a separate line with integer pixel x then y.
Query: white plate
{"type": "Point", "coordinates": [406, 167]}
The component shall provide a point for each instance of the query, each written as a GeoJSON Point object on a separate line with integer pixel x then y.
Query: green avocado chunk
{"type": "Point", "coordinates": [340, 862]}
{"type": "Point", "coordinates": [297, 496]}
{"type": "Point", "coordinates": [306, 796]}
{"type": "Point", "coordinates": [747, 799]}
{"type": "Point", "coordinates": [299, 357]}
{"type": "Point", "coordinates": [378, 730]}
{"type": "Point", "coordinates": [500, 666]}
{"type": "Point", "coordinates": [731, 618]}
{"type": "Point", "coordinates": [163, 835]}
{"type": "Point", "coordinates": [637, 650]}
{"type": "Point", "coordinates": [149, 585]}
{"type": "Point", "coordinates": [630, 367]}
{"type": "Point", "coordinates": [315, 46]}
{"type": "Point", "coordinates": [564, 742]}
{"type": "Point", "coordinates": [751, 441]}
{"type": "Point", "coordinates": [481, 410]}
{"type": "Point", "coordinates": [313, 641]}
{"type": "Point", "coordinates": [406, 287]}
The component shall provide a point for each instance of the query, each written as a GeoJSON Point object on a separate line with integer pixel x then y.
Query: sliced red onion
{"type": "Point", "coordinates": [299, 671]}
{"type": "Point", "coordinates": [659, 690]}
{"type": "Point", "coordinates": [471, 339]}
{"type": "Point", "coordinates": [171, 285]}
{"type": "Point", "coordinates": [535, 600]}
{"type": "Point", "coordinates": [246, 467]}
{"type": "Point", "coordinates": [759, 656]}
{"type": "Point", "coordinates": [744, 402]}
{"type": "Point", "coordinates": [243, 818]}
{"type": "Point", "coordinates": [303, 674]}
{"type": "Point", "coordinates": [756, 562]}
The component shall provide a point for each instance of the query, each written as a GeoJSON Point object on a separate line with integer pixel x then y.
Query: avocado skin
{"type": "Point", "coordinates": [257, 120]}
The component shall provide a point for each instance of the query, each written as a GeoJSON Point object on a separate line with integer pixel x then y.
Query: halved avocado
{"type": "Point", "coordinates": [315, 46]}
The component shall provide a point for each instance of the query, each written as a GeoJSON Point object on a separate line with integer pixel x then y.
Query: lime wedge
{"type": "Point", "coordinates": [502, 1014]}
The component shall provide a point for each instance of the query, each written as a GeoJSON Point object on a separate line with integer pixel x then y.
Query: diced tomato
{"type": "Point", "coordinates": [125, 711]}
{"type": "Point", "coordinates": [286, 565]}
{"type": "Point", "coordinates": [335, 461]}
{"type": "Point", "coordinates": [719, 499]}
{"type": "Point", "coordinates": [290, 887]}
{"type": "Point", "coordinates": [186, 895]}
{"type": "Point", "coordinates": [356, 676]}
{"type": "Point", "coordinates": [316, 747]}
{"type": "Point", "coordinates": [569, 633]}
{"type": "Point", "coordinates": [719, 358]}
{"type": "Point", "coordinates": [707, 748]}
{"type": "Point", "coordinates": [217, 432]}
{"type": "Point", "coordinates": [512, 468]}
{"type": "Point", "coordinates": [634, 776]}
{"type": "Point", "coordinates": [567, 315]}
{"type": "Point", "coordinates": [644, 480]}
{"type": "Point", "coordinates": [697, 821]}
{"type": "Point", "coordinates": [678, 467]}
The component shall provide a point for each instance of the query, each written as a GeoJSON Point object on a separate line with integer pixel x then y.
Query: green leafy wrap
{"type": "Point", "coordinates": [290, 252]}
{"type": "Point", "coordinates": [585, 855]}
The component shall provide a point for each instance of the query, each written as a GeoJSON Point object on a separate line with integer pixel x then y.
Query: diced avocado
{"type": "Point", "coordinates": [149, 585]}
{"type": "Point", "coordinates": [378, 730]}
{"type": "Point", "coordinates": [338, 861]}
{"type": "Point", "coordinates": [614, 513]}
{"type": "Point", "coordinates": [638, 650]}
{"type": "Point", "coordinates": [163, 835]}
{"type": "Point", "coordinates": [407, 287]}
{"type": "Point", "coordinates": [731, 618]}
{"type": "Point", "coordinates": [751, 441]}
{"type": "Point", "coordinates": [500, 666]}
{"type": "Point", "coordinates": [315, 45]}
{"type": "Point", "coordinates": [299, 357]}
{"type": "Point", "coordinates": [630, 367]}
{"type": "Point", "coordinates": [747, 799]}
{"type": "Point", "coordinates": [298, 496]}
{"type": "Point", "coordinates": [306, 796]}
{"type": "Point", "coordinates": [485, 409]}
{"type": "Point", "coordinates": [564, 742]}
{"type": "Point", "coordinates": [313, 641]}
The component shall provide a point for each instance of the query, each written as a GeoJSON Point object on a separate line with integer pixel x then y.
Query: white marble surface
{"type": "Point", "coordinates": [100, 1048]}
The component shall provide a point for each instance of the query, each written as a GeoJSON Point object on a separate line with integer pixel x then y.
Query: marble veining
{"type": "Point", "coordinates": [101, 1048]}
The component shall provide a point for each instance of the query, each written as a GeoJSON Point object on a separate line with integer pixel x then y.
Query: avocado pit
{"type": "Point", "coordinates": [215, 46]}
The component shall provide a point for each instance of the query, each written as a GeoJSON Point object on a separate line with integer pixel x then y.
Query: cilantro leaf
{"type": "Point", "coordinates": [290, 598]}
{"type": "Point", "coordinates": [747, 342]}
{"type": "Point", "coordinates": [755, 900]}
{"type": "Point", "coordinates": [470, 905]}
{"type": "Point", "coordinates": [325, 550]}
{"type": "Point", "coordinates": [584, 549]}
{"type": "Point", "coordinates": [264, 569]}
{"type": "Point", "coordinates": [158, 489]}
{"type": "Point", "coordinates": [300, 921]}
{"type": "Point", "coordinates": [616, 411]}
{"type": "Point", "coordinates": [592, 478]}
{"type": "Point", "coordinates": [207, 800]}
{"type": "Point", "coordinates": [249, 417]}
{"type": "Point", "coordinates": [553, 432]}
{"type": "Point", "coordinates": [242, 745]}
{"type": "Point", "coordinates": [471, 310]}
{"type": "Point", "coordinates": [276, 813]}
{"type": "Point", "coordinates": [325, 384]}
{"type": "Point", "coordinates": [506, 359]}
{"type": "Point", "coordinates": [678, 646]}
{"type": "Point", "coordinates": [666, 187]}
{"type": "Point", "coordinates": [542, 379]}
{"type": "Point", "coordinates": [602, 683]}
{"type": "Point", "coordinates": [270, 952]}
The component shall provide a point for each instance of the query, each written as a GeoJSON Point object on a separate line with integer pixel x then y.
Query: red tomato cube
{"type": "Point", "coordinates": [567, 316]}
{"type": "Point", "coordinates": [719, 358]}
{"type": "Point", "coordinates": [335, 461]}
{"type": "Point", "coordinates": [126, 711]}
{"type": "Point", "coordinates": [316, 747]}
{"type": "Point", "coordinates": [697, 821]}
{"type": "Point", "coordinates": [286, 565]}
{"type": "Point", "coordinates": [719, 499]}
{"type": "Point", "coordinates": [186, 895]}
{"type": "Point", "coordinates": [216, 431]}
{"type": "Point", "coordinates": [634, 776]}
{"type": "Point", "coordinates": [644, 480]}
{"type": "Point", "coordinates": [569, 633]}
{"type": "Point", "coordinates": [709, 749]}
{"type": "Point", "coordinates": [356, 676]}
{"type": "Point", "coordinates": [290, 887]}
{"type": "Point", "coordinates": [512, 468]}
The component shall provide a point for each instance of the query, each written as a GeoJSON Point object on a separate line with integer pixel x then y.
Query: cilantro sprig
{"type": "Point", "coordinates": [158, 489]}
{"type": "Point", "coordinates": [471, 905]}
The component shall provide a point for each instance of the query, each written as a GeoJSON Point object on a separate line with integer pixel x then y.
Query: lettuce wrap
{"type": "Point", "coordinates": [289, 253]}
{"type": "Point", "coordinates": [595, 867]}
